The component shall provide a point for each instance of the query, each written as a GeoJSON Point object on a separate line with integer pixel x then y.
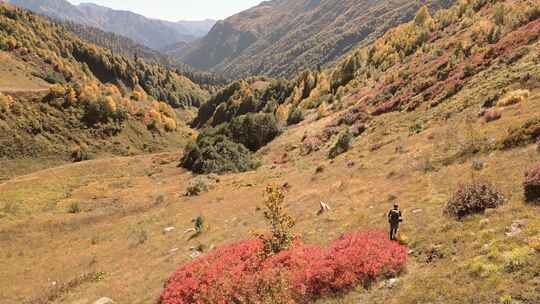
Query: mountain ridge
{"type": "Point", "coordinates": [283, 38]}
{"type": "Point", "coordinates": [153, 33]}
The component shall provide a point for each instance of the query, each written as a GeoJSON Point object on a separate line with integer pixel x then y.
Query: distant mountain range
{"type": "Point", "coordinates": [152, 33]}
{"type": "Point", "coordinates": [284, 37]}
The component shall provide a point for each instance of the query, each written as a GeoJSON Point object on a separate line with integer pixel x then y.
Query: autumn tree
{"type": "Point", "coordinates": [281, 223]}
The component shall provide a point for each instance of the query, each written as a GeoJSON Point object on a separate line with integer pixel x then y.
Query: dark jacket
{"type": "Point", "coordinates": [394, 216]}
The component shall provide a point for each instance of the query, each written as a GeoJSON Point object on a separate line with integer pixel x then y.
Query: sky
{"type": "Point", "coordinates": [175, 10]}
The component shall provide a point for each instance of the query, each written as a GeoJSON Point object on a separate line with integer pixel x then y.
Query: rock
{"type": "Point", "coordinates": [478, 165]}
{"type": "Point", "coordinates": [190, 230]}
{"type": "Point", "coordinates": [195, 254]}
{"type": "Point", "coordinates": [350, 164]}
{"type": "Point", "coordinates": [104, 300]}
{"type": "Point", "coordinates": [168, 229]}
{"type": "Point", "coordinates": [173, 250]}
{"type": "Point", "coordinates": [516, 227]}
{"type": "Point", "coordinates": [323, 208]}
{"type": "Point", "coordinates": [391, 283]}
{"type": "Point", "coordinates": [415, 211]}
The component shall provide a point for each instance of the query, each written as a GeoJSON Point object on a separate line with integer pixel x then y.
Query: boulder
{"type": "Point", "coordinates": [104, 300]}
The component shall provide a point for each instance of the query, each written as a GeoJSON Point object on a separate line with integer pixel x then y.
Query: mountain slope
{"type": "Point", "coordinates": [131, 211]}
{"type": "Point", "coordinates": [149, 32]}
{"type": "Point", "coordinates": [284, 37]}
{"type": "Point", "coordinates": [441, 101]}
{"type": "Point", "coordinates": [58, 92]}
{"type": "Point", "coordinates": [124, 46]}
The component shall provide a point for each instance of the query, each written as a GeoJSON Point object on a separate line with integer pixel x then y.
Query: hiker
{"type": "Point", "coordinates": [394, 218]}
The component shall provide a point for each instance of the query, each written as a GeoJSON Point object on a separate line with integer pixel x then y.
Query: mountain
{"type": "Point", "coordinates": [122, 45]}
{"type": "Point", "coordinates": [58, 92]}
{"type": "Point", "coordinates": [149, 32]}
{"type": "Point", "coordinates": [284, 37]}
{"type": "Point", "coordinates": [198, 28]}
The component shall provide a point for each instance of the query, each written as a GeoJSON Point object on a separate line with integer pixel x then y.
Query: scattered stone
{"type": "Point", "coordinates": [319, 169]}
{"type": "Point", "coordinates": [516, 227]}
{"type": "Point", "coordinates": [286, 186]}
{"type": "Point", "coordinates": [190, 230]}
{"type": "Point", "coordinates": [104, 300]}
{"type": "Point", "coordinates": [195, 254]}
{"type": "Point", "coordinates": [478, 165]}
{"type": "Point", "coordinates": [415, 211]}
{"type": "Point", "coordinates": [391, 283]}
{"type": "Point", "coordinates": [168, 229]}
{"type": "Point", "coordinates": [350, 164]}
{"type": "Point", "coordinates": [323, 208]}
{"type": "Point", "coordinates": [173, 250]}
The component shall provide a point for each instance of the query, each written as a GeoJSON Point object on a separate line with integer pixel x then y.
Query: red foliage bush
{"type": "Point", "coordinates": [492, 115]}
{"type": "Point", "coordinates": [531, 185]}
{"type": "Point", "coordinates": [387, 107]}
{"type": "Point", "coordinates": [238, 273]}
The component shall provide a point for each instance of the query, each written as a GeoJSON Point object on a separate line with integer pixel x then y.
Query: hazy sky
{"type": "Point", "coordinates": [175, 10]}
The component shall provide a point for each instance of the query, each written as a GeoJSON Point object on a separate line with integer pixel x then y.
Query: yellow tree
{"type": "Point", "coordinates": [281, 224]}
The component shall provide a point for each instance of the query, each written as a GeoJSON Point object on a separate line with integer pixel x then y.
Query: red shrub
{"type": "Point", "coordinates": [492, 115]}
{"type": "Point", "coordinates": [236, 273]}
{"type": "Point", "coordinates": [387, 107]}
{"type": "Point", "coordinates": [531, 185]}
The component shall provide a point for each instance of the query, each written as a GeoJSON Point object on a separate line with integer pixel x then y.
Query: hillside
{"type": "Point", "coordinates": [445, 100]}
{"type": "Point", "coordinates": [281, 38]}
{"type": "Point", "coordinates": [124, 46]}
{"type": "Point", "coordinates": [149, 32]}
{"type": "Point", "coordinates": [62, 98]}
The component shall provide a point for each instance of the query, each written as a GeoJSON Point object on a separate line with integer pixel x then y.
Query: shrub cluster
{"type": "Point", "coordinates": [342, 144]}
{"type": "Point", "coordinates": [531, 185]}
{"type": "Point", "coordinates": [253, 130]}
{"type": "Point", "coordinates": [514, 97]}
{"type": "Point", "coordinates": [197, 186]}
{"type": "Point", "coordinates": [80, 153]}
{"type": "Point", "coordinates": [5, 102]}
{"type": "Point", "coordinates": [295, 116]}
{"type": "Point", "coordinates": [238, 273]}
{"type": "Point", "coordinates": [472, 198]}
{"type": "Point", "coordinates": [216, 153]}
{"type": "Point", "coordinates": [526, 134]}
{"type": "Point", "coordinates": [228, 147]}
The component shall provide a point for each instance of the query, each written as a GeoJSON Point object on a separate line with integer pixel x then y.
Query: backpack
{"type": "Point", "coordinates": [395, 216]}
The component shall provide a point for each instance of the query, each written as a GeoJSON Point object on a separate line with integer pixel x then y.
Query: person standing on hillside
{"type": "Point", "coordinates": [394, 218]}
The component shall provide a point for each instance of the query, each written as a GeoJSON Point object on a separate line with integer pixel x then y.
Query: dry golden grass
{"type": "Point", "coordinates": [127, 202]}
{"type": "Point", "coordinates": [16, 75]}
